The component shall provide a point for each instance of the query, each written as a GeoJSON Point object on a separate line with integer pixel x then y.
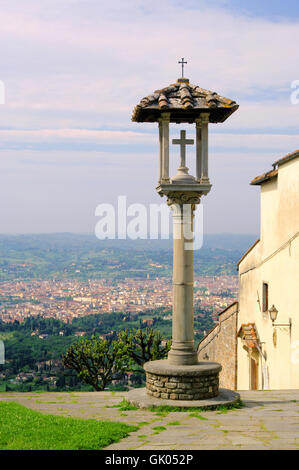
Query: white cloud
{"type": "Point", "coordinates": [74, 70]}
{"type": "Point", "coordinates": [234, 143]}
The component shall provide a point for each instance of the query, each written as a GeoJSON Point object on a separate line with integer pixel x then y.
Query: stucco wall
{"type": "Point", "coordinates": [220, 346]}
{"type": "Point", "coordinates": [274, 260]}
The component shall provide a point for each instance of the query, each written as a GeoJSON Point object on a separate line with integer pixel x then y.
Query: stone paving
{"type": "Point", "coordinates": [269, 420]}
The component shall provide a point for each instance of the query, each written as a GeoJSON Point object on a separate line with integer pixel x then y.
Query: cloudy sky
{"type": "Point", "coordinates": [74, 69]}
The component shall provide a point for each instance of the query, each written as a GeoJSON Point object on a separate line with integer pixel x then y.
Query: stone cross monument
{"type": "Point", "coordinates": [181, 376]}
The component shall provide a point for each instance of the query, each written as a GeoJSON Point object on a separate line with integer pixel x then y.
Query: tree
{"type": "Point", "coordinates": [144, 345]}
{"type": "Point", "coordinates": [96, 360]}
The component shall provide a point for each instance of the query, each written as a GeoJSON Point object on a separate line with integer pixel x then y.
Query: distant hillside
{"type": "Point", "coordinates": [66, 255]}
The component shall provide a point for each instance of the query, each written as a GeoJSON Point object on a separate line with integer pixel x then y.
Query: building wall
{"type": "Point", "coordinates": [220, 346]}
{"type": "Point", "coordinates": [274, 260]}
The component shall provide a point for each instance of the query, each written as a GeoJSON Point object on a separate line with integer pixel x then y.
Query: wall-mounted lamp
{"type": "Point", "coordinates": [273, 312]}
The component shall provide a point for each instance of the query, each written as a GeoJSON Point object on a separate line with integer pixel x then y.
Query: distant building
{"type": "Point", "coordinates": [266, 352]}
{"type": "Point", "coordinates": [148, 321]}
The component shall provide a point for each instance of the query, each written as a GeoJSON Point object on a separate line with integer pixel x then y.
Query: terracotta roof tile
{"type": "Point", "coordinates": [264, 177]}
{"type": "Point", "coordinates": [184, 102]}
{"type": "Point", "coordinates": [286, 158]}
{"type": "Point", "coordinates": [273, 173]}
{"type": "Point", "coordinates": [248, 334]}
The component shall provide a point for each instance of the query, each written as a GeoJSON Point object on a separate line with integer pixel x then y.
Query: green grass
{"type": "Point", "coordinates": [24, 429]}
{"type": "Point", "coordinates": [159, 428]}
{"type": "Point", "coordinates": [199, 416]}
{"type": "Point", "coordinates": [124, 405]}
{"type": "Point", "coordinates": [163, 410]}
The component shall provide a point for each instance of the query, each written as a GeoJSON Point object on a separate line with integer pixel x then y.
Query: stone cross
{"type": "Point", "coordinates": [183, 142]}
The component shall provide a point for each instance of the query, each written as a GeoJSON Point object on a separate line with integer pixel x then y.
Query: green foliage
{"type": "Point", "coordinates": [42, 356]}
{"type": "Point", "coordinates": [96, 360]}
{"type": "Point", "coordinates": [24, 429]}
{"type": "Point", "coordinates": [124, 405]}
{"type": "Point", "coordinates": [166, 409]}
{"type": "Point", "coordinates": [197, 415]}
{"type": "Point", "coordinates": [144, 345]}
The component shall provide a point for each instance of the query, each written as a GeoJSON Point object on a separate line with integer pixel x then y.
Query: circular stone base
{"type": "Point", "coordinates": [139, 397]}
{"type": "Point", "coordinates": [189, 382]}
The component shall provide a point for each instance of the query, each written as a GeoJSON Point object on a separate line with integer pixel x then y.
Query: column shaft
{"type": "Point", "coordinates": [165, 147]}
{"type": "Point", "coordinates": [198, 149]}
{"type": "Point", "coordinates": [160, 152]}
{"type": "Point", "coordinates": [204, 148]}
{"type": "Point", "coordinates": [182, 350]}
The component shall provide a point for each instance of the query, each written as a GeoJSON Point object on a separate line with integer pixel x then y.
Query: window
{"type": "Point", "coordinates": [265, 296]}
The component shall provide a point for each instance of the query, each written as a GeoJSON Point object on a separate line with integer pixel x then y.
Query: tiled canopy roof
{"type": "Point", "coordinates": [184, 102]}
{"type": "Point", "coordinates": [248, 333]}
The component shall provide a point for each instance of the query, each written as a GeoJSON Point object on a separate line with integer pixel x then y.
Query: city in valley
{"type": "Point", "coordinates": [55, 289]}
{"type": "Point", "coordinates": [68, 299]}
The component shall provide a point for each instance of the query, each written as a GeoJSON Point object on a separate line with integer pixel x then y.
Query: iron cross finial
{"type": "Point", "coordinates": [182, 62]}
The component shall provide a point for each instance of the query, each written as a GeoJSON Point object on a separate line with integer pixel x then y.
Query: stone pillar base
{"type": "Point", "coordinates": [189, 382]}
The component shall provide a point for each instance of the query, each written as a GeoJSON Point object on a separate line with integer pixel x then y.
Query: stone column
{"type": "Point", "coordinates": [165, 118]}
{"type": "Point", "coordinates": [160, 151]}
{"type": "Point", "coordinates": [198, 149]}
{"type": "Point", "coordinates": [204, 148]}
{"type": "Point", "coordinates": [182, 350]}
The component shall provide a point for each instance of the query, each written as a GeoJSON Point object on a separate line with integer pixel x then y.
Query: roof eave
{"type": "Point", "coordinates": [248, 251]}
{"type": "Point", "coordinates": [263, 178]}
{"type": "Point", "coordinates": [286, 158]}
{"type": "Point", "coordinates": [177, 115]}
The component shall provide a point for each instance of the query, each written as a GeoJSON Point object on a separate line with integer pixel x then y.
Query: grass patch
{"type": "Point", "coordinates": [162, 414]}
{"type": "Point", "coordinates": [124, 405]}
{"type": "Point", "coordinates": [197, 415]}
{"type": "Point", "coordinates": [173, 423]}
{"type": "Point", "coordinates": [222, 411]}
{"type": "Point", "coordinates": [159, 428]}
{"type": "Point", "coordinates": [25, 429]}
{"type": "Point", "coordinates": [165, 409]}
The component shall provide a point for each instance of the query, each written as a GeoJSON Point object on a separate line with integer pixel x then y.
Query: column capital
{"type": "Point", "coordinates": [205, 117]}
{"type": "Point", "coordinates": [180, 198]}
{"type": "Point", "coordinates": [165, 117]}
{"type": "Point", "coordinates": [198, 122]}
